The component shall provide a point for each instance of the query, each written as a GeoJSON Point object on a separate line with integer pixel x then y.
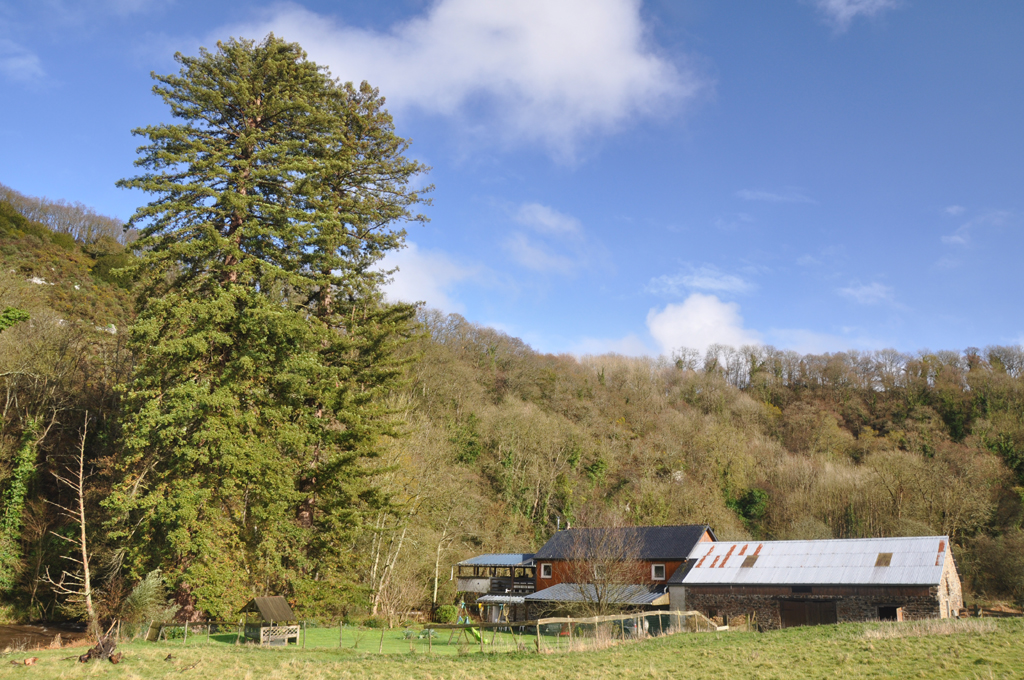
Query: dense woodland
{"type": "Point", "coordinates": [499, 442]}
{"type": "Point", "coordinates": [251, 416]}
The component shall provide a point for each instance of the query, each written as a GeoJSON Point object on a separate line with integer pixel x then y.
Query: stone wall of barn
{"type": "Point", "coordinates": [852, 604]}
{"type": "Point", "coordinates": [951, 597]}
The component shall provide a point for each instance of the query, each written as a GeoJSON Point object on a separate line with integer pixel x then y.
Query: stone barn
{"type": "Point", "coordinates": [799, 583]}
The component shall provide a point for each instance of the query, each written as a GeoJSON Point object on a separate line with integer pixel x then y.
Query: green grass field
{"type": "Point", "coordinates": [968, 649]}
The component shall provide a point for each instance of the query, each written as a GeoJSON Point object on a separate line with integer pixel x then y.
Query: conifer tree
{"type": "Point", "coordinates": [264, 345]}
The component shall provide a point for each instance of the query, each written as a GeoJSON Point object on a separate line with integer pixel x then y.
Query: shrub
{"type": "Point", "coordinates": [148, 601]}
{"type": "Point", "coordinates": [375, 622]}
{"type": "Point", "coordinates": [447, 613]}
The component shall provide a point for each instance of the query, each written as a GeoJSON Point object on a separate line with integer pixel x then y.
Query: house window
{"type": "Point", "coordinates": [657, 572]}
{"type": "Point", "coordinates": [545, 571]}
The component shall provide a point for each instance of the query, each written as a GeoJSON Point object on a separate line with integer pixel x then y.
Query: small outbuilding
{"type": "Point", "coordinates": [798, 583]}
{"type": "Point", "coordinates": [270, 620]}
{"type": "Point", "coordinates": [498, 581]}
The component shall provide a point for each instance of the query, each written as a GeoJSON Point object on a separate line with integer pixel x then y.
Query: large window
{"type": "Point", "coordinates": [545, 571]}
{"type": "Point", "coordinates": [657, 572]}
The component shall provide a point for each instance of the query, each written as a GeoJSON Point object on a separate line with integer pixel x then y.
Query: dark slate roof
{"type": "Point", "coordinates": [274, 608]}
{"type": "Point", "coordinates": [585, 592]}
{"type": "Point", "coordinates": [499, 560]}
{"type": "Point", "coordinates": [655, 543]}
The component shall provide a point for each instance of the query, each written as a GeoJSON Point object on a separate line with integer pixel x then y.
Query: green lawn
{"type": "Point", "coordinates": [395, 641]}
{"type": "Point", "coordinates": [977, 649]}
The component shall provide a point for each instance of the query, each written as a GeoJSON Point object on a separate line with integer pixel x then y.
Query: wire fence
{"type": "Point", "coordinates": [546, 635]}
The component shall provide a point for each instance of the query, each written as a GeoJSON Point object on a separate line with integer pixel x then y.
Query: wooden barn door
{"type": "Point", "coordinates": [807, 612]}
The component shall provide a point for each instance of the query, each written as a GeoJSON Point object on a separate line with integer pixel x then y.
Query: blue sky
{"type": "Point", "coordinates": [611, 175]}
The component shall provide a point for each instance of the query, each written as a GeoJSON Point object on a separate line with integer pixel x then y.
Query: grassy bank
{"type": "Point", "coordinates": [968, 649]}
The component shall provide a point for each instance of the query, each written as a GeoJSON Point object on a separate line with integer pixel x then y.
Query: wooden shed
{"type": "Point", "coordinates": [270, 620]}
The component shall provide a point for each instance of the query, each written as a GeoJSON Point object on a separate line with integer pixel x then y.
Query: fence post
{"type": "Point", "coordinates": [482, 636]}
{"type": "Point", "coordinates": [380, 649]}
{"type": "Point", "coordinates": [186, 632]}
{"type": "Point", "coordinates": [341, 629]}
{"type": "Point", "coordinates": [303, 634]}
{"type": "Point", "coordinates": [208, 626]}
{"type": "Point", "coordinates": [538, 636]}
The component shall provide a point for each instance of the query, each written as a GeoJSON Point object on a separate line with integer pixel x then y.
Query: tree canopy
{"type": "Point", "coordinates": [264, 345]}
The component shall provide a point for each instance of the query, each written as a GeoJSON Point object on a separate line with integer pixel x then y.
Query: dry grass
{"type": "Point", "coordinates": [908, 629]}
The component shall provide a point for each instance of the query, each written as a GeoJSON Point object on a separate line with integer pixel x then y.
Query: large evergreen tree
{"type": "Point", "coordinates": [264, 346]}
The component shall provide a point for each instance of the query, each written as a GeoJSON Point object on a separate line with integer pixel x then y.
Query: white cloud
{"type": "Point", "coordinates": [700, 320]}
{"type": "Point", "coordinates": [841, 13]}
{"type": "Point", "coordinates": [733, 222]}
{"type": "Point", "coordinates": [964, 234]}
{"type": "Point", "coordinates": [954, 210]}
{"type": "Point", "coordinates": [868, 294]}
{"type": "Point", "coordinates": [705, 278]}
{"type": "Point", "coordinates": [537, 256]}
{"type": "Point", "coordinates": [19, 63]}
{"type": "Point", "coordinates": [787, 196]}
{"type": "Point", "coordinates": [559, 243]}
{"type": "Point", "coordinates": [548, 220]}
{"type": "Point", "coordinates": [545, 72]}
{"type": "Point", "coordinates": [426, 275]}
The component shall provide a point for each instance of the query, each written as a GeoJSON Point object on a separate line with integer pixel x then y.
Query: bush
{"type": "Point", "coordinates": [447, 613]}
{"type": "Point", "coordinates": [148, 601]}
{"type": "Point", "coordinates": [375, 622]}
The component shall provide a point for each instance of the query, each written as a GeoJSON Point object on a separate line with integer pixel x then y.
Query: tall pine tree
{"type": "Point", "coordinates": [264, 346]}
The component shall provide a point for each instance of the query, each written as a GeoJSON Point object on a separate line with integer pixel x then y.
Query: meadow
{"type": "Point", "coordinates": [932, 649]}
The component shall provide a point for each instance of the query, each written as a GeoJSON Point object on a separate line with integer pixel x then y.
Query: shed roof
{"type": "Point", "coordinates": [499, 560]}
{"type": "Point", "coordinates": [633, 594]}
{"type": "Point", "coordinates": [916, 560]}
{"type": "Point", "coordinates": [654, 543]}
{"type": "Point", "coordinates": [274, 608]}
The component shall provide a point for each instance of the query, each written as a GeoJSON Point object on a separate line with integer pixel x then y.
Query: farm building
{"type": "Point", "coordinates": [499, 580]}
{"type": "Point", "coordinates": [623, 567]}
{"type": "Point", "coordinates": [796, 583]}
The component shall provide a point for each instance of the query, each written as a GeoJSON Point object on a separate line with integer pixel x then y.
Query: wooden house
{"type": "Point", "coordinates": [796, 583]}
{"type": "Point", "coordinates": [270, 620]}
{"type": "Point", "coordinates": [627, 567]}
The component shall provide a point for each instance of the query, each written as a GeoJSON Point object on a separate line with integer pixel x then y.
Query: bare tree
{"type": "Point", "coordinates": [76, 586]}
{"type": "Point", "coordinates": [604, 569]}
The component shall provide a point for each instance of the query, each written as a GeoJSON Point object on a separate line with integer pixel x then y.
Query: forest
{"type": "Point", "coordinates": [498, 442]}
{"type": "Point", "coordinates": [253, 416]}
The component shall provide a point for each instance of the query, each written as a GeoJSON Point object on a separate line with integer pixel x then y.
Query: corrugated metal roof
{"type": "Point", "coordinates": [916, 560]}
{"type": "Point", "coordinates": [587, 592]}
{"type": "Point", "coordinates": [653, 543]}
{"type": "Point", "coordinates": [501, 599]}
{"type": "Point", "coordinates": [499, 560]}
{"type": "Point", "coordinates": [273, 608]}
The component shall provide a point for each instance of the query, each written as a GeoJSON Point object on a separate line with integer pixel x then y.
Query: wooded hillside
{"type": "Point", "coordinates": [499, 443]}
